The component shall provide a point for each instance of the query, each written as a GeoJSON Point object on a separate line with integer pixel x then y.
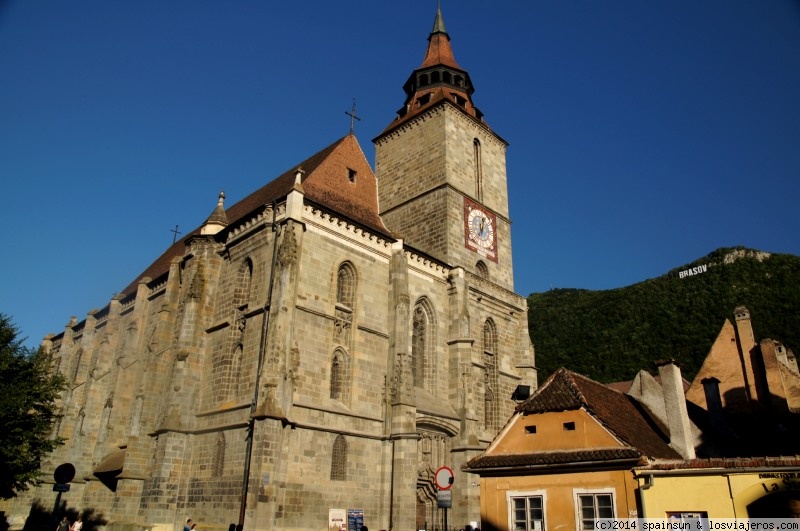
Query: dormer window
{"type": "Point", "coordinates": [424, 99]}
{"type": "Point", "coordinates": [530, 430]}
{"type": "Point", "coordinates": [569, 426]}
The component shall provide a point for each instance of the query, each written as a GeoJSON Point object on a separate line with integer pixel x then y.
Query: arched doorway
{"type": "Point", "coordinates": [435, 435]}
{"type": "Point", "coordinates": [784, 504]}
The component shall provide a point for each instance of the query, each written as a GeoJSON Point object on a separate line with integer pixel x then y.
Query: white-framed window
{"type": "Point", "coordinates": [526, 510]}
{"type": "Point", "coordinates": [591, 504]}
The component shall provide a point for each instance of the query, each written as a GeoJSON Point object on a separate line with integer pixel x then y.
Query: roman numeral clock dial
{"type": "Point", "coordinates": [479, 230]}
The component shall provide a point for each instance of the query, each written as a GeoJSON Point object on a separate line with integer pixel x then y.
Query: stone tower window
{"type": "Point", "coordinates": [345, 300]}
{"type": "Point", "coordinates": [244, 279]}
{"type": "Point", "coordinates": [491, 405]}
{"type": "Point", "coordinates": [422, 363]}
{"type": "Point", "coordinates": [340, 375]}
{"type": "Point", "coordinates": [339, 459]}
{"type": "Point", "coordinates": [476, 159]}
{"type": "Point", "coordinates": [219, 456]}
{"type": "Point", "coordinates": [236, 368]}
{"type": "Point", "coordinates": [481, 269]}
{"type": "Point", "coordinates": [346, 285]}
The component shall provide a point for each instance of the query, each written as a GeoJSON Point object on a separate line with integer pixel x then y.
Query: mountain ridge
{"type": "Point", "coordinates": [609, 335]}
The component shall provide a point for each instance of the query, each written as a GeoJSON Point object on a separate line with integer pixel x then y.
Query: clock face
{"type": "Point", "coordinates": [479, 230]}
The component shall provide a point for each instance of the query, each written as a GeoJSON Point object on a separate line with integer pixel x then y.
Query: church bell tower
{"type": "Point", "coordinates": [442, 170]}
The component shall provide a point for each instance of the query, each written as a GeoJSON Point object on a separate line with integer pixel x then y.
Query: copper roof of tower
{"type": "Point", "coordinates": [439, 80]}
{"type": "Point", "coordinates": [439, 50]}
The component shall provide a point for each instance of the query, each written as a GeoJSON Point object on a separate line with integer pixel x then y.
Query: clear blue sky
{"type": "Point", "coordinates": [643, 135]}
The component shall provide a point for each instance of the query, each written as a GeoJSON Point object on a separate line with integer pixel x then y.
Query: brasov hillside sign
{"type": "Point", "coordinates": [693, 271]}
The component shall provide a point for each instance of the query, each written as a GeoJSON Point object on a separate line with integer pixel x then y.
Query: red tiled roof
{"type": "Point", "coordinates": [439, 52]}
{"type": "Point", "coordinates": [723, 462]}
{"type": "Point", "coordinates": [595, 456]}
{"type": "Point", "coordinates": [621, 414]}
{"type": "Point", "coordinates": [325, 183]}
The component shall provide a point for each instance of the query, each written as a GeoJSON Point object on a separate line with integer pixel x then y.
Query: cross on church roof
{"type": "Point", "coordinates": [353, 117]}
{"type": "Point", "coordinates": [175, 233]}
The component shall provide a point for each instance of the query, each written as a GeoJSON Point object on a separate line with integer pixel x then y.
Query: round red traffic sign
{"type": "Point", "coordinates": [444, 478]}
{"type": "Point", "coordinates": [64, 473]}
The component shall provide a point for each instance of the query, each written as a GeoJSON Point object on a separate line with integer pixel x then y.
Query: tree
{"type": "Point", "coordinates": [29, 391]}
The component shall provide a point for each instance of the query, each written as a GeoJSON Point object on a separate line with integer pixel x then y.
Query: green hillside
{"type": "Point", "coordinates": [611, 335]}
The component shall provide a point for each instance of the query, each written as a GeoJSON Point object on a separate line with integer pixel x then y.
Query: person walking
{"type": "Point", "coordinates": [77, 525]}
{"type": "Point", "coordinates": [63, 525]}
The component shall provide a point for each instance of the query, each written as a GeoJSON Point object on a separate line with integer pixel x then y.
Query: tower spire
{"type": "Point", "coordinates": [438, 23]}
{"type": "Point", "coordinates": [438, 80]}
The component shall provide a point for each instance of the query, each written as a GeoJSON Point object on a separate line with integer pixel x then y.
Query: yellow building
{"type": "Point", "coordinates": [566, 456]}
{"type": "Point", "coordinates": [577, 450]}
{"type": "Point", "coordinates": [765, 487]}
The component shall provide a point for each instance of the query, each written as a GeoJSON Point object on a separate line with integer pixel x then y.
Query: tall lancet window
{"type": "Point", "coordinates": [491, 410]}
{"type": "Point", "coordinates": [422, 359]}
{"type": "Point", "coordinates": [476, 158]}
{"type": "Point", "coordinates": [345, 300]}
{"type": "Point", "coordinates": [244, 279]}
{"type": "Point", "coordinates": [340, 376]}
{"type": "Point", "coordinates": [219, 456]}
{"type": "Point", "coordinates": [345, 285]}
{"type": "Point", "coordinates": [339, 459]}
{"type": "Point", "coordinates": [236, 369]}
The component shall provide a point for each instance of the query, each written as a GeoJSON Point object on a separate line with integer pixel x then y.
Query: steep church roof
{"type": "Point", "coordinates": [337, 178]}
{"type": "Point", "coordinates": [438, 80]}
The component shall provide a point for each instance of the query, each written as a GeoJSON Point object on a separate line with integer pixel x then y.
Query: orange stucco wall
{"type": "Point", "coordinates": [551, 434]}
{"type": "Point", "coordinates": [560, 496]}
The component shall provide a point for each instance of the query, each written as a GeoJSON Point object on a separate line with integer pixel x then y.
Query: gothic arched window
{"type": "Point", "coordinates": [491, 411]}
{"type": "Point", "coordinates": [340, 375]}
{"type": "Point", "coordinates": [236, 368]}
{"type": "Point", "coordinates": [422, 362]}
{"type": "Point", "coordinates": [219, 456]}
{"type": "Point", "coordinates": [476, 156]}
{"type": "Point", "coordinates": [346, 285]}
{"type": "Point", "coordinates": [339, 459]}
{"type": "Point", "coordinates": [244, 279]}
{"type": "Point", "coordinates": [345, 301]}
{"type": "Point", "coordinates": [481, 269]}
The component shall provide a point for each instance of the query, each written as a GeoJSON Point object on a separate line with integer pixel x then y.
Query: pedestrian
{"type": "Point", "coordinates": [77, 525]}
{"type": "Point", "coordinates": [63, 525]}
{"type": "Point", "coordinates": [188, 526]}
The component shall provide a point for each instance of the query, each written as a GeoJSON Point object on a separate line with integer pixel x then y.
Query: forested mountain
{"type": "Point", "coordinates": [610, 335]}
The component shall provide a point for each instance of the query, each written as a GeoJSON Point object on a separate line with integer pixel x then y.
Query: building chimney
{"type": "Point", "coordinates": [747, 342]}
{"type": "Point", "coordinates": [713, 403]}
{"type": "Point", "coordinates": [680, 434]}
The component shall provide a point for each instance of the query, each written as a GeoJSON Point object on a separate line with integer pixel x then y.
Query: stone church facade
{"type": "Point", "coordinates": [328, 342]}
